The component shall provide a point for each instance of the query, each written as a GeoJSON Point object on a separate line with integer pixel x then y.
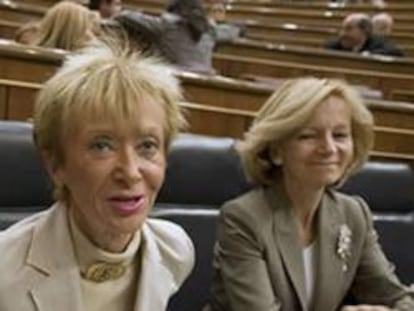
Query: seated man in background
{"type": "Point", "coordinates": [382, 24]}
{"type": "Point", "coordinates": [356, 35]}
{"type": "Point", "coordinates": [106, 8]}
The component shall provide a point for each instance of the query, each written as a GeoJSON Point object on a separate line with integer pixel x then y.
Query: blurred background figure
{"type": "Point", "coordinates": [382, 24]}
{"type": "Point", "coordinates": [224, 31]}
{"type": "Point", "coordinates": [356, 35]}
{"type": "Point", "coordinates": [184, 34]}
{"type": "Point", "coordinates": [27, 33]}
{"type": "Point", "coordinates": [218, 12]}
{"type": "Point", "coordinates": [106, 8]}
{"type": "Point", "coordinates": [68, 26]}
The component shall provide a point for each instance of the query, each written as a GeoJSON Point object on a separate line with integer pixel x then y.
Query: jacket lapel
{"type": "Point", "coordinates": [52, 257]}
{"type": "Point", "coordinates": [287, 239]}
{"type": "Point", "coordinates": [156, 283]}
{"type": "Point", "coordinates": [329, 270]}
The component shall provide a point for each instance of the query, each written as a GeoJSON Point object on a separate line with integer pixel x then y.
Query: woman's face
{"type": "Point", "coordinates": [113, 173]}
{"type": "Point", "coordinates": [320, 152]}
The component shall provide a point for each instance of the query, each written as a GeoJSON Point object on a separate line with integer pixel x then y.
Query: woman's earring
{"type": "Point", "coordinates": [277, 161]}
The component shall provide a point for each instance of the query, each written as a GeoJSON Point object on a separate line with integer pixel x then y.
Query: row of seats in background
{"type": "Point", "coordinates": [202, 173]}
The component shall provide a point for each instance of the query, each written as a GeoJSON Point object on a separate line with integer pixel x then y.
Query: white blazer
{"type": "Point", "coordinates": [39, 271]}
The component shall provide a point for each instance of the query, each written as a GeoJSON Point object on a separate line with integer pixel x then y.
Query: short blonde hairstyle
{"type": "Point", "coordinates": [287, 111]}
{"type": "Point", "coordinates": [68, 26]}
{"type": "Point", "coordinates": [103, 84]}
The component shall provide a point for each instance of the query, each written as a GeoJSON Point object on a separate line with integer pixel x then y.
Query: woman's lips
{"type": "Point", "coordinates": [126, 206]}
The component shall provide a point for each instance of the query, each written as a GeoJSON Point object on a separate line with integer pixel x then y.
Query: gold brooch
{"type": "Point", "coordinates": [103, 271]}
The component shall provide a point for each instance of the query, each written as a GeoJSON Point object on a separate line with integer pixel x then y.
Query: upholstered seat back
{"type": "Point", "coordinates": [202, 171]}
{"type": "Point", "coordinates": [24, 185]}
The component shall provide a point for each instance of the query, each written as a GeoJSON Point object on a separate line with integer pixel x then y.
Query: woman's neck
{"type": "Point", "coordinates": [105, 240]}
{"type": "Point", "coordinates": [304, 202]}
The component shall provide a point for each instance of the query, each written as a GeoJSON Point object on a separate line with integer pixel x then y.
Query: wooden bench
{"type": "Point", "coordinates": [33, 64]}
{"type": "Point", "coordinates": [305, 55]}
{"type": "Point", "coordinates": [403, 22]}
{"type": "Point", "coordinates": [20, 12]}
{"type": "Point", "coordinates": [240, 66]}
{"type": "Point", "coordinates": [17, 101]}
{"type": "Point", "coordinates": [394, 129]}
{"type": "Point", "coordinates": [308, 42]}
{"type": "Point", "coordinates": [403, 95]}
{"type": "Point", "coordinates": [314, 5]}
{"type": "Point", "coordinates": [25, 63]}
{"type": "Point", "coordinates": [8, 29]}
{"type": "Point", "coordinates": [253, 27]}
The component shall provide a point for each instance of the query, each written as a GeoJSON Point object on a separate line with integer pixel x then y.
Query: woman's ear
{"type": "Point", "coordinates": [53, 167]}
{"type": "Point", "coordinates": [274, 154]}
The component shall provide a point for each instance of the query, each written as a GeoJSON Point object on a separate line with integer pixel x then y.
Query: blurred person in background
{"type": "Point", "coordinates": [382, 24]}
{"type": "Point", "coordinates": [356, 35]}
{"type": "Point", "coordinates": [106, 8]}
{"type": "Point", "coordinates": [68, 26]}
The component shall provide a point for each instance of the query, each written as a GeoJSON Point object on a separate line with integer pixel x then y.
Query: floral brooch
{"type": "Point", "coordinates": [343, 249]}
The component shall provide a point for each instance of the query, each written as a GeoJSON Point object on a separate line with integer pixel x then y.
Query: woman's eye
{"type": "Point", "coordinates": [101, 145]}
{"type": "Point", "coordinates": [148, 147]}
{"type": "Point", "coordinates": [341, 135]}
{"type": "Point", "coordinates": [305, 136]}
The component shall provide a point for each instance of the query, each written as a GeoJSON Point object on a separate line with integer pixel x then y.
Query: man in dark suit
{"type": "Point", "coordinates": [356, 36]}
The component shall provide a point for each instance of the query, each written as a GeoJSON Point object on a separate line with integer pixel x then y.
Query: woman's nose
{"type": "Point", "coordinates": [129, 167]}
{"type": "Point", "coordinates": [328, 144]}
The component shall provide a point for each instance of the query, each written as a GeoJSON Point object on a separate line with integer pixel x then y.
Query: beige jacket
{"type": "Point", "coordinates": [39, 272]}
{"type": "Point", "coordinates": [258, 260]}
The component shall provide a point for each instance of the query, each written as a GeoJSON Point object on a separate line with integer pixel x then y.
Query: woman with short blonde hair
{"type": "Point", "coordinates": [287, 110]}
{"type": "Point", "coordinates": [103, 125]}
{"type": "Point", "coordinates": [294, 242]}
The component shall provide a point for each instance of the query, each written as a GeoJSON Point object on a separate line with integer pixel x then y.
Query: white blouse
{"type": "Point", "coordinates": [115, 295]}
{"type": "Point", "coordinates": [309, 264]}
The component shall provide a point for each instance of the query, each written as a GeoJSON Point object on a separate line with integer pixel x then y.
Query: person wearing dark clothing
{"type": "Point", "coordinates": [182, 34]}
{"type": "Point", "coordinates": [356, 36]}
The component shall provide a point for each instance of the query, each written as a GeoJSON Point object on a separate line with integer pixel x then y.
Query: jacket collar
{"type": "Point", "coordinates": [329, 219]}
{"type": "Point", "coordinates": [58, 288]}
{"type": "Point", "coordinates": [51, 254]}
{"type": "Point", "coordinates": [156, 282]}
{"type": "Point", "coordinates": [287, 239]}
{"type": "Point", "coordinates": [328, 285]}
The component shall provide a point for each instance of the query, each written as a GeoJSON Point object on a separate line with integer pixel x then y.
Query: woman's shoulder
{"type": "Point", "coordinates": [354, 207]}
{"type": "Point", "coordinates": [174, 246]}
{"type": "Point", "coordinates": [14, 244]}
{"type": "Point", "coordinates": [167, 231]}
{"type": "Point", "coordinates": [19, 231]}
{"type": "Point", "coordinates": [244, 201]}
{"type": "Point", "coordinates": [251, 207]}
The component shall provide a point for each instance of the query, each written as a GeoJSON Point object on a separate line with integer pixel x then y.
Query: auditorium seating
{"type": "Point", "coordinates": [24, 186]}
{"type": "Point", "coordinates": [202, 173]}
